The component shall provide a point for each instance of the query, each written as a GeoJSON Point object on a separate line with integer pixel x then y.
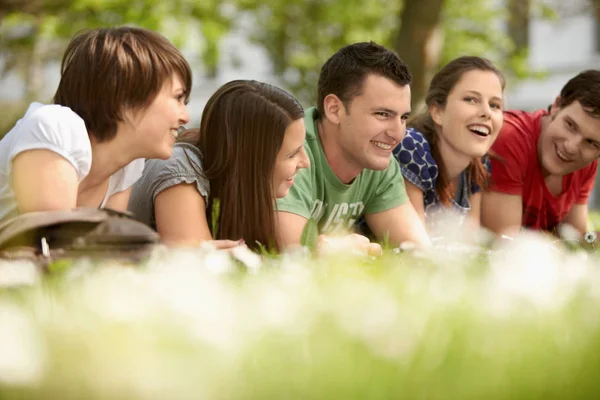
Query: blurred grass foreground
{"type": "Point", "coordinates": [518, 322]}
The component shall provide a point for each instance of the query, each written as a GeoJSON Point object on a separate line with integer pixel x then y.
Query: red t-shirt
{"type": "Point", "coordinates": [516, 170]}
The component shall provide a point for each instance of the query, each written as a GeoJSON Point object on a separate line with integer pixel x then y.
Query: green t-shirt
{"type": "Point", "coordinates": [317, 192]}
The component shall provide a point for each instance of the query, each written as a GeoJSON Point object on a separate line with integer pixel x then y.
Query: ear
{"type": "Point", "coordinates": [555, 108]}
{"type": "Point", "coordinates": [333, 107]}
{"type": "Point", "coordinates": [436, 113]}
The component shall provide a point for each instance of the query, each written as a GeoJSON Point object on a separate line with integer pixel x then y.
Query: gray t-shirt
{"type": "Point", "coordinates": [159, 175]}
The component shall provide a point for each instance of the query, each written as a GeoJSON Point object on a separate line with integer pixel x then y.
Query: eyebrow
{"type": "Point", "coordinates": [295, 150]}
{"type": "Point", "coordinates": [479, 94]}
{"type": "Point", "coordinates": [384, 109]}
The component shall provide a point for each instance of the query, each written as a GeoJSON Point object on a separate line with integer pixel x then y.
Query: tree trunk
{"type": "Point", "coordinates": [596, 6]}
{"type": "Point", "coordinates": [415, 42]}
{"type": "Point", "coordinates": [518, 24]}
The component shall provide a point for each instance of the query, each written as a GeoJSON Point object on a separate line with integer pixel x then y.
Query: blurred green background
{"type": "Point", "coordinates": [539, 44]}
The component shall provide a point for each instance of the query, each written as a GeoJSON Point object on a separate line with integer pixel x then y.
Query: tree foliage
{"type": "Point", "coordinates": [298, 35]}
{"type": "Point", "coordinates": [34, 33]}
{"type": "Point", "coordinates": [42, 27]}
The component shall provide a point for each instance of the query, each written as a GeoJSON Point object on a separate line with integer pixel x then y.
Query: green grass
{"type": "Point", "coordinates": [594, 220]}
{"type": "Point", "coordinates": [521, 322]}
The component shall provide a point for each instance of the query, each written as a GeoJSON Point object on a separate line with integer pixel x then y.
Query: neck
{"type": "Point", "coordinates": [107, 158]}
{"type": "Point", "coordinates": [343, 167]}
{"type": "Point", "coordinates": [454, 162]}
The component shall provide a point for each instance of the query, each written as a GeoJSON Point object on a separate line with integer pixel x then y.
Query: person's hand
{"type": "Point", "coordinates": [349, 244]}
{"type": "Point", "coordinates": [226, 245]}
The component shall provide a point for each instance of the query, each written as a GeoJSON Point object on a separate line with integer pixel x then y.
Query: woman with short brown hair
{"type": "Point", "coordinates": [121, 98]}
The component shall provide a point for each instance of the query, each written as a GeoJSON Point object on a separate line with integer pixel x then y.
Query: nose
{"type": "Point", "coordinates": [398, 130]}
{"type": "Point", "coordinates": [486, 111]}
{"type": "Point", "coordinates": [304, 160]}
{"type": "Point", "coordinates": [184, 116]}
{"type": "Point", "coordinates": [572, 144]}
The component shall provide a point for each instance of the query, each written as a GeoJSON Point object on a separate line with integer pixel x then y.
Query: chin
{"type": "Point", "coordinates": [380, 166]}
{"type": "Point", "coordinates": [165, 154]}
{"type": "Point", "coordinates": [282, 191]}
{"type": "Point", "coordinates": [478, 154]}
{"type": "Point", "coordinates": [552, 168]}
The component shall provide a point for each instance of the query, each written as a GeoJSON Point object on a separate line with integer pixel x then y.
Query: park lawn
{"type": "Point", "coordinates": [456, 322]}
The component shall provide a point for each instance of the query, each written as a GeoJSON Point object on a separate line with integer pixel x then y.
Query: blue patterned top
{"type": "Point", "coordinates": [418, 167]}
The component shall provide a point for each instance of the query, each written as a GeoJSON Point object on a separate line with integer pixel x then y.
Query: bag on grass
{"type": "Point", "coordinates": [46, 236]}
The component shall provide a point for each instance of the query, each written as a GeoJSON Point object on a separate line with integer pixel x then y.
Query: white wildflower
{"type": "Point", "coordinates": [21, 353]}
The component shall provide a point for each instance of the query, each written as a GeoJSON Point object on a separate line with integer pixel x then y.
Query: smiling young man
{"type": "Point", "coordinates": [363, 104]}
{"type": "Point", "coordinates": [545, 162]}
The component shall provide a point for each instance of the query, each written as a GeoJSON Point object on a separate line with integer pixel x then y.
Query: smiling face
{"type": "Point", "coordinates": [570, 139]}
{"type": "Point", "coordinates": [373, 124]}
{"type": "Point", "coordinates": [290, 159]}
{"type": "Point", "coordinates": [471, 119]}
{"type": "Point", "coordinates": [156, 126]}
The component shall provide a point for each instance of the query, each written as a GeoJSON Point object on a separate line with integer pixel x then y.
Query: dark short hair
{"type": "Point", "coordinates": [345, 72]}
{"type": "Point", "coordinates": [108, 70]}
{"type": "Point", "coordinates": [584, 88]}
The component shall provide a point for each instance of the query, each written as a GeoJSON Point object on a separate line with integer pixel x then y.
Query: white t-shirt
{"type": "Point", "coordinates": [59, 129]}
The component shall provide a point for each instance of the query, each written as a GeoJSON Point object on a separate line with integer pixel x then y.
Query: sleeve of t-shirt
{"type": "Point", "coordinates": [508, 162]}
{"type": "Point", "coordinates": [390, 192]}
{"type": "Point", "coordinates": [299, 199]}
{"type": "Point", "coordinates": [60, 130]}
{"type": "Point", "coordinates": [184, 166]}
{"type": "Point", "coordinates": [125, 177]}
{"type": "Point", "coordinates": [588, 183]}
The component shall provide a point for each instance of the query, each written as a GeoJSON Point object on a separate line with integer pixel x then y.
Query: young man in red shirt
{"type": "Point", "coordinates": [544, 163]}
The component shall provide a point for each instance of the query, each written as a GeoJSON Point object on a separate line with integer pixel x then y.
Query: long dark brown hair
{"type": "Point", "coordinates": [241, 132]}
{"type": "Point", "coordinates": [441, 85]}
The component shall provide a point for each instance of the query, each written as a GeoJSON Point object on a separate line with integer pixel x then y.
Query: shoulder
{"type": "Point", "coordinates": [55, 116]}
{"type": "Point", "coordinates": [311, 117]}
{"type": "Point", "coordinates": [518, 137]}
{"type": "Point", "coordinates": [312, 142]}
{"type": "Point", "coordinates": [184, 166]}
{"type": "Point", "coordinates": [414, 148]}
{"type": "Point", "coordinates": [54, 128]}
{"type": "Point", "coordinates": [53, 112]}
{"type": "Point", "coordinates": [55, 124]}
{"type": "Point", "coordinates": [185, 153]}
{"type": "Point", "coordinates": [523, 120]}
{"type": "Point", "coordinates": [186, 158]}
{"type": "Point", "coordinates": [416, 161]}
{"type": "Point", "coordinates": [520, 127]}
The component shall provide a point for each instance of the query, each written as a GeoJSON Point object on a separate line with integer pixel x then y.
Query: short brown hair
{"type": "Point", "coordinates": [441, 85]}
{"type": "Point", "coordinates": [241, 132]}
{"type": "Point", "coordinates": [584, 88]}
{"type": "Point", "coordinates": [345, 72]}
{"type": "Point", "coordinates": [107, 70]}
